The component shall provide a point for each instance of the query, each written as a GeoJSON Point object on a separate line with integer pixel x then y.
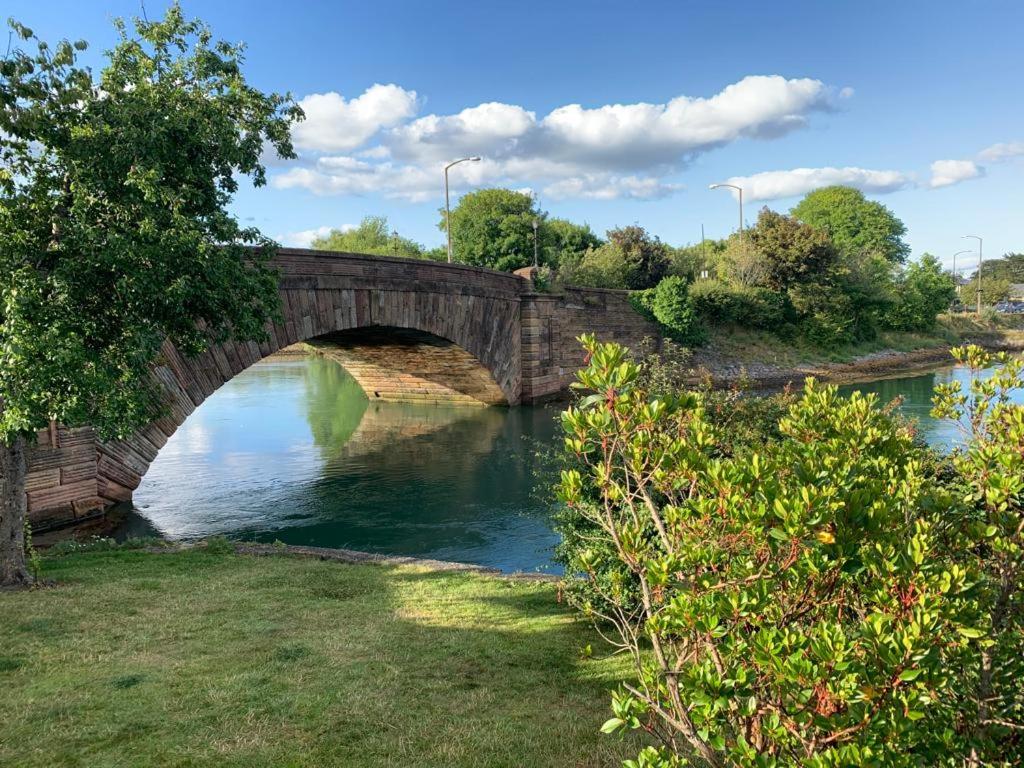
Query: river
{"type": "Point", "coordinates": [291, 450]}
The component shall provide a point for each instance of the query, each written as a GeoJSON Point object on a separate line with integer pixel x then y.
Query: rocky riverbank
{"type": "Point", "coordinates": [725, 370]}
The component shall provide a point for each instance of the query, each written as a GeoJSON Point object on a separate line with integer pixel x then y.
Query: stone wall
{"type": "Point", "coordinates": [552, 323]}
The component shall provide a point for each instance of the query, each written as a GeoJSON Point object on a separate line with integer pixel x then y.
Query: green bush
{"type": "Point", "coordinates": [827, 316]}
{"type": "Point", "coordinates": [812, 600]}
{"type": "Point", "coordinates": [922, 292]}
{"type": "Point", "coordinates": [719, 303]}
{"type": "Point", "coordinates": [670, 305]}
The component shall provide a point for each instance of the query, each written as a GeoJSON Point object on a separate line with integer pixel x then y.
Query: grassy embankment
{"type": "Point", "coordinates": [749, 347]}
{"type": "Point", "coordinates": [199, 658]}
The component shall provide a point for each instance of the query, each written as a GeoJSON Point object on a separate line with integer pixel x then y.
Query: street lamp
{"type": "Point", "coordinates": [981, 263]}
{"type": "Point", "coordinates": [535, 225]}
{"type": "Point", "coordinates": [447, 207]}
{"type": "Point", "coordinates": [740, 190]}
{"type": "Point", "coordinates": [956, 277]}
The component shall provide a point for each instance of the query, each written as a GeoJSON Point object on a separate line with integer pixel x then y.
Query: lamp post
{"type": "Point", "coordinates": [956, 277]}
{"type": "Point", "coordinates": [981, 263]}
{"type": "Point", "coordinates": [740, 190]}
{"type": "Point", "coordinates": [447, 206]}
{"type": "Point", "coordinates": [535, 225]}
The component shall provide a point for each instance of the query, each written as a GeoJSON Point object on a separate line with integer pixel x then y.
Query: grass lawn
{"type": "Point", "coordinates": [197, 658]}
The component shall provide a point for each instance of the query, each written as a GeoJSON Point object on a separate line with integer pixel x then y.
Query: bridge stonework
{"type": "Point", "coordinates": [405, 329]}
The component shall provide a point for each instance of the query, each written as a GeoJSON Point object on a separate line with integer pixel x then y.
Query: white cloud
{"type": "Point", "coordinates": [948, 172]}
{"type": "Point", "coordinates": [636, 136]}
{"type": "Point", "coordinates": [305, 238]}
{"type": "Point", "coordinates": [998, 153]}
{"type": "Point", "coordinates": [486, 129]}
{"type": "Point", "coordinates": [371, 144]}
{"type": "Point", "coordinates": [333, 124]}
{"type": "Point", "coordinates": [608, 187]}
{"type": "Point", "coordinates": [771, 185]}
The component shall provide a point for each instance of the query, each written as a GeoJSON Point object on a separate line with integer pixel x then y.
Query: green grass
{"type": "Point", "coordinates": [197, 658]}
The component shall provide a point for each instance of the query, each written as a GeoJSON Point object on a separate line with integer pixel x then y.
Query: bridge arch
{"type": "Point", "coordinates": [346, 304]}
{"type": "Point", "coordinates": [514, 345]}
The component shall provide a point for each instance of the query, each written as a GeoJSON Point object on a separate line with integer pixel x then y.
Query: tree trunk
{"type": "Point", "coordinates": [13, 571]}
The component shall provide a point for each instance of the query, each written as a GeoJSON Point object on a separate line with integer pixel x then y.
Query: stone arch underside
{"type": "Point", "coordinates": [485, 329]}
{"type": "Point", "coordinates": [411, 366]}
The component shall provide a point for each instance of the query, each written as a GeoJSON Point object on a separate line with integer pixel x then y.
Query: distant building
{"type": "Point", "coordinates": [1016, 292]}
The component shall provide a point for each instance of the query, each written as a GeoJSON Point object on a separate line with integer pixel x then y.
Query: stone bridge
{"type": "Point", "coordinates": [405, 329]}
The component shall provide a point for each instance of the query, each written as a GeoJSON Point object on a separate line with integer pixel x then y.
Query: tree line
{"type": "Point", "coordinates": [834, 270]}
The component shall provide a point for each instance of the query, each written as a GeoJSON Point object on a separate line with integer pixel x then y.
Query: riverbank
{"type": "Point", "coordinates": [207, 657]}
{"type": "Point", "coordinates": [763, 361]}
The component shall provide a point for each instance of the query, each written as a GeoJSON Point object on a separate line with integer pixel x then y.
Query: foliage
{"type": "Point", "coordinates": [827, 315]}
{"type": "Point", "coordinates": [720, 303]}
{"type": "Point", "coordinates": [741, 264]}
{"type": "Point", "coordinates": [494, 228]}
{"type": "Point", "coordinates": [857, 226]}
{"type": "Point", "coordinates": [563, 238]}
{"type": "Point", "coordinates": [114, 230]}
{"type": "Point", "coordinates": [792, 252]}
{"type": "Point", "coordinates": [631, 258]}
{"type": "Point", "coordinates": [688, 261]}
{"type": "Point", "coordinates": [601, 267]}
{"type": "Point", "coordinates": [986, 530]}
{"type": "Point", "coordinates": [1010, 268]}
{"type": "Point", "coordinates": [371, 236]}
{"type": "Point", "coordinates": [786, 605]}
{"type": "Point", "coordinates": [671, 307]}
{"type": "Point", "coordinates": [923, 290]}
{"type": "Point", "coordinates": [114, 234]}
{"type": "Point", "coordinates": [993, 290]}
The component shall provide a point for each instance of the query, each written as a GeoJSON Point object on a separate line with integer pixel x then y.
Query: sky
{"type": "Point", "coordinates": [616, 113]}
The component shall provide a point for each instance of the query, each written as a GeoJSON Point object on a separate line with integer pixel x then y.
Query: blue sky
{"type": "Point", "coordinates": [871, 93]}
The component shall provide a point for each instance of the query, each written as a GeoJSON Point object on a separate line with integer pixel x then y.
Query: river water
{"type": "Point", "coordinates": [291, 450]}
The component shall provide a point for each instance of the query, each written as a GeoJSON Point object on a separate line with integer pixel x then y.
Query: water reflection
{"type": "Point", "coordinates": [916, 393]}
{"type": "Point", "coordinates": [292, 450]}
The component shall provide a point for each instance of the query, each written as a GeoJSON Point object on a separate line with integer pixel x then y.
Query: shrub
{"type": "Point", "coordinates": [670, 305]}
{"type": "Point", "coordinates": [922, 292]}
{"type": "Point", "coordinates": [984, 529]}
{"type": "Point", "coordinates": [790, 606]}
{"type": "Point", "coordinates": [827, 315]}
{"type": "Point", "coordinates": [719, 303]}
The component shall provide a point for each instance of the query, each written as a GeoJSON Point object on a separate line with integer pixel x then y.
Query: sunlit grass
{"type": "Point", "coordinates": [217, 659]}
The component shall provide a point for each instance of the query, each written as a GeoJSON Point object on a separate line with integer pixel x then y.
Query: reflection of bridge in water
{"type": "Point", "coordinates": [293, 450]}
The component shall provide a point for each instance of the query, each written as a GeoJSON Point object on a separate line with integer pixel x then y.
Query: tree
{"type": "Point", "coordinates": [494, 228]}
{"type": "Point", "coordinates": [789, 604]}
{"type": "Point", "coordinates": [114, 233]}
{"type": "Point", "coordinates": [923, 290]}
{"type": "Point", "coordinates": [371, 236]}
{"type": "Point", "coordinates": [858, 226]}
{"type": "Point", "coordinates": [792, 252]}
{"type": "Point", "coordinates": [1010, 268]}
{"type": "Point", "coordinates": [564, 238]}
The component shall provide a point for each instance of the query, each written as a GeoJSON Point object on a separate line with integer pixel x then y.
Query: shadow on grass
{"type": "Point", "coordinates": [282, 661]}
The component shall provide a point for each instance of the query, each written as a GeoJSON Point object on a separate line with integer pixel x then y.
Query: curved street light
{"type": "Point", "coordinates": [981, 263]}
{"type": "Point", "coordinates": [447, 207]}
{"type": "Point", "coordinates": [956, 277]}
{"type": "Point", "coordinates": [740, 190]}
